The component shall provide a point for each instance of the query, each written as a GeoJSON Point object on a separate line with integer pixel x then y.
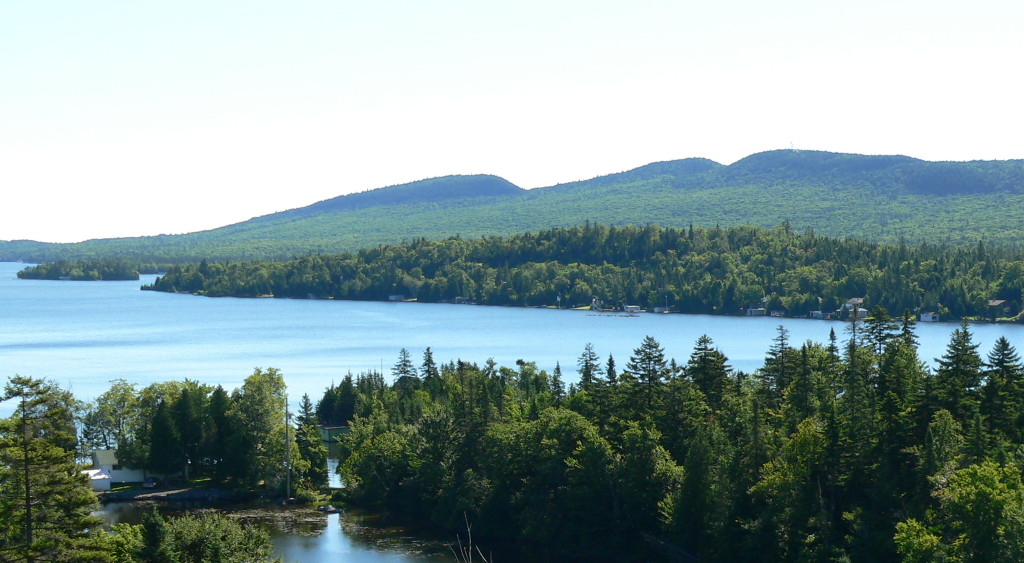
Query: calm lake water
{"type": "Point", "coordinates": [84, 334]}
{"type": "Point", "coordinates": [304, 535]}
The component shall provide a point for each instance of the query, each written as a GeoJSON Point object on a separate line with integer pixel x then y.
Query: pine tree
{"type": "Point", "coordinates": [648, 368]}
{"type": "Point", "coordinates": [403, 367]}
{"type": "Point", "coordinates": [45, 502]}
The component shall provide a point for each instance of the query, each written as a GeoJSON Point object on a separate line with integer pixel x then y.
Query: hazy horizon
{"type": "Point", "coordinates": [139, 119]}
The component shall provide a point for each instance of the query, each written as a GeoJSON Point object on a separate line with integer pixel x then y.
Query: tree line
{"type": "Point", "coordinates": [185, 430]}
{"type": "Point", "coordinates": [694, 270]}
{"type": "Point", "coordinates": [196, 430]}
{"type": "Point", "coordinates": [109, 269]}
{"type": "Point", "coordinates": [850, 450]}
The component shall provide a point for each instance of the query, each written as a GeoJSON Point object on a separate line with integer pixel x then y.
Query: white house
{"type": "Point", "coordinates": [929, 317]}
{"type": "Point", "coordinates": [99, 479]}
{"type": "Point", "coordinates": [106, 460]}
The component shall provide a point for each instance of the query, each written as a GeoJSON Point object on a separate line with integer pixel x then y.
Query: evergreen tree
{"type": "Point", "coordinates": [157, 543]}
{"type": "Point", "coordinates": [217, 436]}
{"type": "Point", "coordinates": [778, 366]}
{"type": "Point", "coordinates": [431, 376]}
{"type": "Point", "coordinates": [188, 413]}
{"type": "Point", "coordinates": [708, 370]}
{"type": "Point", "coordinates": [610, 374]}
{"type": "Point", "coordinates": [1003, 393]}
{"type": "Point", "coordinates": [403, 367]}
{"type": "Point", "coordinates": [958, 376]}
{"type": "Point", "coordinates": [314, 453]}
{"type": "Point", "coordinates": [165, 451]}
{"type": "Point", "coordinates": [557, 385]}
{"type": "Point", "coordinates": [306, 414]}
{"type": "Point", "coordinates": [879, 329]}
{"type": "Point", "coordinates": [45, 502]}
{"type": "Point", "coordinates": [589, 367]}
{"type": "Point", "coordinates": [648, 368]}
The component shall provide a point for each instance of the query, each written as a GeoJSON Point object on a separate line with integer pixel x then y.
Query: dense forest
{"type": "Point", "coordinates": [88, 270]}
{"type": "Point", "coordinates": [193, 430]}
{"type": "Point", "coordinates": [180, 429]}
{"type": "Point", "coordinates": [873, 198]}
{"type": "Point", "coordinates": [850, 450]}
{"type": "Point", "coordinates": [718, 271]}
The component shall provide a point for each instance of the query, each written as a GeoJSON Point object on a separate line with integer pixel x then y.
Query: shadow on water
{"type": "Point", "coordinates": [302, 534]}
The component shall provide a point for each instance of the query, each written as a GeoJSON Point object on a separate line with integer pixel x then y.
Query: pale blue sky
{"type": "Point", "coordinates": [139, 118]}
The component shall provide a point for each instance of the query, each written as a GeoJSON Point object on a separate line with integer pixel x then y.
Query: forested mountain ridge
{"type": "Point", "coordinates": [432, 190]}
{"type": "Point", "coordinates": [876, 198]}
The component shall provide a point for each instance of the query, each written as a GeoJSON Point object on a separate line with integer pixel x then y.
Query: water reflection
{"type": "Point", "coordinates": [301, 534]}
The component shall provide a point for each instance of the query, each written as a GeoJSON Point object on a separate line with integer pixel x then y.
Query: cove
{"type": "Point", "coordinates": [301, 534]}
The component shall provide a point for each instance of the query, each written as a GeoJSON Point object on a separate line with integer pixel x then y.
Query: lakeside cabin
{"type": "Point", "coordinates": [106, 471]}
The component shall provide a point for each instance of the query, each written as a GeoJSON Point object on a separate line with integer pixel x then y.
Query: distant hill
{"type": "Point", "coordinates": [433, 190]}
{"type": "Point", "coordinates": [878, 198]}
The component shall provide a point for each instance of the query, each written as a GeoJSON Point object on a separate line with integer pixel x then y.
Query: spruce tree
{"type": "Point", "coordinates": [588, 365]}
{"type": "Point", "coordinates": [707, 368]}
{"type": "Point", "coordinates": [1003, 391]}
{"type": "Point", "coordinates": [959, 375]}
{"type": "Point", "coordinates": [157, 543]}
{"type": "Point", "coordinates": [648, 368]}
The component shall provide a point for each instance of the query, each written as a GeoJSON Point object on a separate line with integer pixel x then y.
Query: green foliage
{"type": "Point", "coordinates": [849, 451]}
{"type": "Point", "coordinates": [878, 198]}
{"type": "Point", "coordinates": [257, 444]}
{"type": "Point", "coordinates": [85, 270]}
{"type": "Point", "coordinates": [716, 271]}
{"type": "Point", "coordinates": [191, 538]}
{"type": "Point", "coordinates": [827, 455]}
{"type": "Point", "coordinates": [157, 546]}
{"type": "Point", "coordinates": [186, 430]}
{"type": "Point", "coordinates": [45, 503]}
{"type": "Point", "coordinates": [980, 517]}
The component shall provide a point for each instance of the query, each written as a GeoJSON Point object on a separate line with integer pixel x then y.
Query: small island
{"type": "Point", "coordinates": [82, 270]}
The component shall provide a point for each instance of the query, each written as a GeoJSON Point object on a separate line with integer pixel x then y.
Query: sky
{"type": "Point", "coordinates": [122, 119]}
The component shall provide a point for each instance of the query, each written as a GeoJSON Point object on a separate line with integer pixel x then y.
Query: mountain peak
{"type": "Point", "coordinates": [431, 190]}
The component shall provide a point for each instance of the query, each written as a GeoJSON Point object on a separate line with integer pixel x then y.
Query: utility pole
{"type": "Point", "coordinates": [287, 451]}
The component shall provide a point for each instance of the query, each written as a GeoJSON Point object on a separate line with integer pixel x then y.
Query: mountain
{"type": "Point", "coordinates": [880, 198]}
{"type": "Point", "coordinates": [433, 190]}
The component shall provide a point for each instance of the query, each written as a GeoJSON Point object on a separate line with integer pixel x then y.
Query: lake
{"type": "Point", "coordinates": [85, 334]}
{"type": "Point", "coordinates": [304, 535]}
